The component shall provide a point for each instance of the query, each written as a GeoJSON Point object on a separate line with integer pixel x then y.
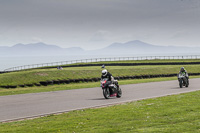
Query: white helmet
{"type": "Point", "coordinates": [104, 72]}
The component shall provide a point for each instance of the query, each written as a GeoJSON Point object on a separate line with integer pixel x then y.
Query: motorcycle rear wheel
{"type": "Point", "coordinates": [187, 84]}
{"type": "Point", "coordinates": [119, 93]}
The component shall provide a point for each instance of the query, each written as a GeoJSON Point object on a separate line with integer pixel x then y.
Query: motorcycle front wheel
{"type": "Point", "coordinates": [180, 83]}
{"type": "Point", "coordinates": [106, 93]}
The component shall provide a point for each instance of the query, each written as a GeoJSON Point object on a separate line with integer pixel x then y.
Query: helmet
{"type": "Point", "coordinates": [182, 69]}
{"type": "Point", "coordinates": [103, 66]}
{"type": "Point", "coordinates": [104, 72]}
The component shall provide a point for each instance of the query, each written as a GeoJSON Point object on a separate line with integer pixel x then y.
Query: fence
{"type": "Point", "coordinates": [18, 68]}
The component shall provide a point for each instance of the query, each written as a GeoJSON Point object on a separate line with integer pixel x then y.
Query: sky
{"type": "Point", "coordinates": [93, 24]}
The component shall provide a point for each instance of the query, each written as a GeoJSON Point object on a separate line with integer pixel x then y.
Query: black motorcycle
{"type": "Point", "coordinates": [183, 80]}
{"type": "Point", "coordinates": [110, 89]}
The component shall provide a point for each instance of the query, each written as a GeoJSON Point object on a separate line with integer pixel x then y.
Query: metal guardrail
{"type": "Point", "coordinates": [18, 68]}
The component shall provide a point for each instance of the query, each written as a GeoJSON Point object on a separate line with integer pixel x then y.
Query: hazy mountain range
{"type": "Point", "coordinates": [132, 47]}
{"type": "Point", "coordinates": [38, 49]}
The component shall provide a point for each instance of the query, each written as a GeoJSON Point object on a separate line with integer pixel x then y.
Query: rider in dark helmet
{"type": "Point", "coordinates": [183, 71]}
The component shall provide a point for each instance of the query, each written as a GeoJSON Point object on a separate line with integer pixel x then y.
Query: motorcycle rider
{"type": "Point", "coordinates": [106, 74]}
{"type": "Point", "coordinates": [183, 71]}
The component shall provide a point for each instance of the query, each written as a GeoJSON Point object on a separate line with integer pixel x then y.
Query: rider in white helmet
{"type": "Point", "coordinates": [106, 74]}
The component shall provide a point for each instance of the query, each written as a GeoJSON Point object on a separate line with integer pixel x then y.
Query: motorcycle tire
{"type": "Point", "coordinates": [119, 93]}
{"type": "Point", "coordinates": [181, 83]}
{"type": "Point", "coordinates": [106, 93]}
{"type": "Point", "coordinates": [187, 84]}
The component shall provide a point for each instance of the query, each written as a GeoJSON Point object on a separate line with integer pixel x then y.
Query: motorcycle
{"type": "Point", "coordinates": [110, 89]}
{"type": "Point", "coordinates": [183, 80]}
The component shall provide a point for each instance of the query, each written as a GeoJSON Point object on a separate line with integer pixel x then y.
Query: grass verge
{"type": "Point", "coordinates": [176, 113]}
{"type": "Point", "coordinates": [25, 90]}
{"type": "Point", "coordinates": [37, 75]}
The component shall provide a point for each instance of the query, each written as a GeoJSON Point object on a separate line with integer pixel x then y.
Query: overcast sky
{"type": "Point", "coordinates": [93, 24]}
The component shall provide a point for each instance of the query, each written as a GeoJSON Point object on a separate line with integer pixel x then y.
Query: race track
{"type": "Point", "coordinates": [16, 107]}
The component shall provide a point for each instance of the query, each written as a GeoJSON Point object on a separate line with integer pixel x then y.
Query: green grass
{"type": "Point", "coordinates": [25, 90]}
{"type": "Point", "coordinates": [37, 75]}
{"type": "Point", "coordinates": [170, 114]}
{"type": "Point", "coordinates": [177, 113]}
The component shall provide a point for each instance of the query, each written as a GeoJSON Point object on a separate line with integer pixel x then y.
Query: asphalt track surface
{"type": "Point", "coordinates": [16, 107]}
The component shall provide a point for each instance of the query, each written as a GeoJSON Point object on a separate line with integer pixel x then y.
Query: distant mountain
{"type": "Point", "coordinates": [35, 46]}
{"type": "Point", "coordinates": [135, 47]}
{"type": "Point", "coordinates": [139, 47]}
{"type": "Point", "coordinates": [38, 49]}
{"type": "Point", "coordinates": [131, 44]}
{"type": "Point", "coordinates": [34, 49]}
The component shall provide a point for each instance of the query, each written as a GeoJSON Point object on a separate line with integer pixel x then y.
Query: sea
{"type": "Point", "coordinates": [15, 61]}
